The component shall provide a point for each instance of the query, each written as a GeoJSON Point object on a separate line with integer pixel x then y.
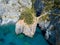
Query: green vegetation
{"type": "Point", "coordinates": [48, 5]}
{"type": "Point", "coordinates": [46, 17]}
{"type": "Point", "coordinates": [0, 17]}
{"type": "Point", "coordinates": [27, 16]}
{"type": "Point", "coordinates": [54, 14]}
{"type": "Point", "coordinates": [51, 4]}
{"type": "Point", "coordinates": [57, 4]}
{"type": "Point", "coordinates": [33, 1]}
{"type": "Point", "coordinates": [33, 9]}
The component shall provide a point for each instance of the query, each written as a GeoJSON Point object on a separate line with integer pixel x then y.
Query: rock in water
{"type": "Point", "coordinates": [21, 26]}
{"type": "Point", "coordinates": [28, 30]}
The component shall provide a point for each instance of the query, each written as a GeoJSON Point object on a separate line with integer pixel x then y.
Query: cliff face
{"type": "Point", "coordinates": [22, 26]}
{"type": "Point", "coordinates": [28, 30]}
{"type": "Point", "coordinates": [9, 11]}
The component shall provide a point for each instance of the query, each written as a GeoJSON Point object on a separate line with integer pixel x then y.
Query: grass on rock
{"type": "Point", "coordinates": [27, 16]}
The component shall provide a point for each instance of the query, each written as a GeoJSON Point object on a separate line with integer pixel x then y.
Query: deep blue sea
{"type": "Point", "coordinates": [9, 37]}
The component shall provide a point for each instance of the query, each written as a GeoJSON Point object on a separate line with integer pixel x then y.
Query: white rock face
{"type": "Point", "coordinates": [48, 32]}
{"type": "Point", "coordinates": [21, 27]}
{"type": "Point", "coordinates": [26, 3]}
{"type": "Point", "coordinates": [44, 24]}
{"type": "Point", "coordinates": [9, 11]}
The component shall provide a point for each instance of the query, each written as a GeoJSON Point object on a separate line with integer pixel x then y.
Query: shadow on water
{"type": "Point", "coordinates": [42, 32]}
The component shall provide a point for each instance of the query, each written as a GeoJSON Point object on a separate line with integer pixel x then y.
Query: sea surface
{"type": "Point", "coordinates": [9, 37]}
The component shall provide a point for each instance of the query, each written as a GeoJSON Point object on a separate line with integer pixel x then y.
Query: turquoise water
{"type": "Point", "coordinates": [8, 37]}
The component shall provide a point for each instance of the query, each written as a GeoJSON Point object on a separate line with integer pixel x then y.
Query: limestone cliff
{"type": "Point", "coordinates": [21, 25]}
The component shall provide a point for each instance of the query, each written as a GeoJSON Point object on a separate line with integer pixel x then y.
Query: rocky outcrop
{"type": "Point", "coordinates": [10, 10]}
{"type": "Point", "coordinates": [28, 30]}
{"type": "Point", "coordinates": [21, 26]}
{"type": "Point", "coordinates": [44, 24]}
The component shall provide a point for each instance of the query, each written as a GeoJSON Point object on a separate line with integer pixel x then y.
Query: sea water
{"type": "Point", "coordinates": [9, 37]}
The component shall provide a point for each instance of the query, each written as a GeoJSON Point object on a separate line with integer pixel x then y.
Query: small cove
{"type": "Point", "coordinates": [8, 37]}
